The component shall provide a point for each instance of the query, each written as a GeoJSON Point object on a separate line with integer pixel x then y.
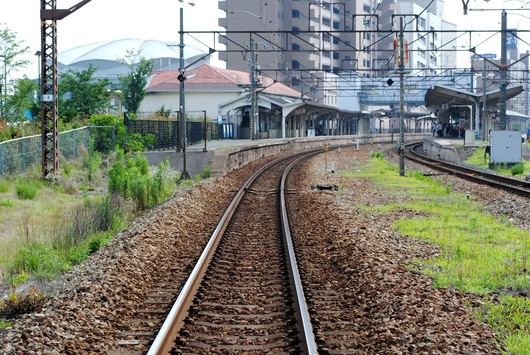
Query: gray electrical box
{"type": "Point", "coordinates": [506, 147]}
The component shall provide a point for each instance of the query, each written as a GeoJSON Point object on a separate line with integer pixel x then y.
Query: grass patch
{"type": "Point", "coordinates": [477, 159]}
{"type": "Point", "coordinates": [26, 191]}
{"type": "Point", "coordinates": [480, 253]}
{"type": "Point", "coordinates": [71, 218]}
{"type": "Point", "coordinates": [6, 202]}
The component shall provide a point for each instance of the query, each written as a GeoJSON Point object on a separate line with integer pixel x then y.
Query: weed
{"type": "Point", "coordinates": [378, 155]}
{"type": "Point", "coordinates": [6, 202]}
{"type": "Point", "coordinates": [26, 191]}
{"type": "Point", "coordinates": [206, 172]}
{"type": "Point", "coordinates": [67, 168]}
{"type": "Point", "coordinates": [4, 187]}
{"type": "Point", "coordinates": [5, 325]}
{"type": "Point", "coordinates": [15, 304]}
{"type": "Point", "coordinates": [93, 164]}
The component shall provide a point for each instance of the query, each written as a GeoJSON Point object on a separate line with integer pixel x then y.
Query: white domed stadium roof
{"type": "Point", "coordinates": [106, 55]}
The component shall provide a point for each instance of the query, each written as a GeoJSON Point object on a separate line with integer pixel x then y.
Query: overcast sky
{"type": "Point", "coordinates": [101, 20]}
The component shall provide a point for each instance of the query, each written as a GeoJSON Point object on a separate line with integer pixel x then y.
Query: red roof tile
{"type": "Point", "coordinates": [207, 77]}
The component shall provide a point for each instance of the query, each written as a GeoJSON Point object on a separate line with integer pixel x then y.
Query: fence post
{"type": "Point", "coordinates": [2, 158]}
{"type": "Point", "coordinates": [75, 144]}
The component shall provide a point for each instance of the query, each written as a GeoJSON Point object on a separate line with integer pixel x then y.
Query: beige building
{"type": "Point", "coordinates": [294, 39]}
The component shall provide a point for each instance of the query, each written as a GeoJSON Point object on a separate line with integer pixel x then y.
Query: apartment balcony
{"type": "Point", "coordinates": [222, 5]}
{"type": "Point", "coordinates": [222, 22]}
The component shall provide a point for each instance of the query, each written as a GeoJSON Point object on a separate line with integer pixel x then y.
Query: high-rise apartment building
{"type": "Point", "coordinates": [293, 39]}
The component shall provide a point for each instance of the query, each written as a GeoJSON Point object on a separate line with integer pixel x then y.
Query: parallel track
{"type": "Point", "coordinates": [515, 186]}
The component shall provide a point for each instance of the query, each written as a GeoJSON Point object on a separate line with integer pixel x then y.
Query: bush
{"type": "Point", "coordinates": [517, 169]}
{"type": "Point", "coordinates": [130, 178]}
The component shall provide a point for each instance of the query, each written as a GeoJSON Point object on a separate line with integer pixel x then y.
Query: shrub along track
{"type": "Point", "coordinates": [360, 259]}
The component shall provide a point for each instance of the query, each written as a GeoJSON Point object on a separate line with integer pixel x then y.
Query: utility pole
{"type": "Point", "coordinates": [254, 83]}
{"type": "Point", "coordinates": [182, 98]}
{"type": "Point", "coordinates": [401, 147]}
{"type": "Point", "coordinates": [503, 70]}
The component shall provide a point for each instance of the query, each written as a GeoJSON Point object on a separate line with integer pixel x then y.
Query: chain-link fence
{"type": "Point", "coordinates": [18, 155]}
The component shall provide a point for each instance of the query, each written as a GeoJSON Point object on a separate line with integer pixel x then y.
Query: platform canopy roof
{"type": "Point", "coordinates": [444, 95]}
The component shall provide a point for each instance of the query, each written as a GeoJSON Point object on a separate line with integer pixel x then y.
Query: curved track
{"type": "Point", "coordinates": [516, 186]}
{"type": "Point", "coordinates": [244, 295]}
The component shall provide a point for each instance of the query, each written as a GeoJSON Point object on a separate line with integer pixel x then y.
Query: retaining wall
{"type": "Point", "coordinates": [440, 149]}
{"type": "Point", "coordinates": [229, 159]}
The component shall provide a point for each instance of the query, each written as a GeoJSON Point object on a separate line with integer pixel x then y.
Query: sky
{"type": "Point", "coordinates": [102, 20]}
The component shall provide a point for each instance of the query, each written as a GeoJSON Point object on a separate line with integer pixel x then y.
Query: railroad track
{"type": "Point", "coordinates": [245, 294]}
{"type": "Point", "coordinates": [516, 186]}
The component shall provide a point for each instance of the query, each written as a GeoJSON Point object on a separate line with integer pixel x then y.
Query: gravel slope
{"type": "Point", "coordinates": [399, 311]}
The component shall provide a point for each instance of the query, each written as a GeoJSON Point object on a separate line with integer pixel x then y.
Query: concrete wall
{"type": "Point", "coordinates": [230, 159]}
{"type": "Point", "coordinates": [440, 149]}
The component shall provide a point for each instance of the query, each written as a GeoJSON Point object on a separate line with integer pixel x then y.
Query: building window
{"type": "Point", "coordinates": [327, 38]}
{"type": "Point", "coordinates": [296, 14]}
{"type": "Point", "coordinates": [336, 25]}
{"type": "Point", "coordinates": [326, 22]}
{"type": "Point", "coordinates": [366, 8]}
{"type": "Point", "coordinates": [281, 15]}
{"type": "Point", "coordinates": [336, 40]}
{"type": "Point", "coordinates": [295, 29]}
{"type": "Point", "coordinates": [295, 47]}
{"type": "Point", "coordinates": [295, 64]}
{"type": "Point", "coordinates": [335, 55]}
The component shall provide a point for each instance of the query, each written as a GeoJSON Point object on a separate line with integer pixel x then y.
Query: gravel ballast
{"type": "Point", "coordinates": [399, 309]}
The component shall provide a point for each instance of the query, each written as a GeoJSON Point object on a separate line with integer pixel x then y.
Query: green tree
{"type": "Point", "coordinates": [23, 98]}
{"type": "Point", "coordinates": [10, 51]}
{"type": "Point", "coordinates": [80, 95]}
{"type": "Point", "coordinates": [133, 84]}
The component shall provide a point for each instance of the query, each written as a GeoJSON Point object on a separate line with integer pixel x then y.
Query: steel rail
{"type": "Point", "coordinates": [306, 333]}
{"type": "Point", "coordinates": [164, 340]}
{"type": "Point", "coordinates": [515, 186]}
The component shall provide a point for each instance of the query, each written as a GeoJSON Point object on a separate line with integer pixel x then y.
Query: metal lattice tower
{"type": "Point", "coordinates": [49, 81]}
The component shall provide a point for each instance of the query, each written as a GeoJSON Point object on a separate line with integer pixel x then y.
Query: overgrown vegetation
{"type": "Point", "coordinates": [480, 253]}
{"type": "Point", "coordinates": [131, 179]}
{"type": "Point", "coordinates": [71, 218]}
